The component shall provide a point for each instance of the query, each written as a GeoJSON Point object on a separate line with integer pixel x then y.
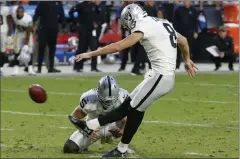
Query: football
{"type": "Point", "coordinates": [37, 93]}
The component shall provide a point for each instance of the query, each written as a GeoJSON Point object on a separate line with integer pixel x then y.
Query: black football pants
{"type": "Point", "coordinates": [47, 37]}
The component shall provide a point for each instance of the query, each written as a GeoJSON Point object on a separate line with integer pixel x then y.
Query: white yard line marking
{"type": "Point", "coordinates": [138, 81]}
{"type": "Point", "coordinates": [2, 129]}
{"type": "Point", "coordinates": [93, 156]}
{"type": "Point", "coordinates": [199, 101]}
{"type": "Point", "coordinates": [11, 146]}
{"type": "Point", "coordinates": [209, 84]}
{"type": "Point", "coordinates": [56, 93]}
{"type": "Point", "coordinates": [235, 121]}
{"type": "Point", "coordinates": [165, 99]}
{"type": "Point", "coordinates": [199, 154]}
{"type": "Point", "coordinates": [207, 125]}
{"type": "Point", "coordinates": [32, 114]}
{"type": "Point", "coordinates": [61, 127]}
{"type": "Point", "coordinates": [178, 123]}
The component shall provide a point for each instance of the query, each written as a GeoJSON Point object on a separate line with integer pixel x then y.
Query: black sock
{"type": "Point", "coordinates": [15, 61]}
{"type": "Point", "coordinates": [134, 119]}
{"type": "Point", "coordinates": [116, 114]}
{"type": "Point", "coordinates": [2, 59]}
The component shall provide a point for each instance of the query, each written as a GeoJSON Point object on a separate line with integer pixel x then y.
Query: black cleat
{"type": "Point", "coordinates": [79, 70]}
{"type": "Point", "coordinates": [115, 153]}
{"type": "Point", "coordinates": [216, 69]}
{"type": "Point", "coordinates": [121, 69]}
{"type": "Point", "coordinates": [96, 70]}
{"type": "Point", "coordinates": [26, 69]}
{"type": "Point", "coordinates": [80, 124]}
{"type": "Point", "coordinates": [54, 70]}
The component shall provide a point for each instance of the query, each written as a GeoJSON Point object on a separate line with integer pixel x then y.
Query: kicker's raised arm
{"type": "Point", "coordinates": [114, 47]}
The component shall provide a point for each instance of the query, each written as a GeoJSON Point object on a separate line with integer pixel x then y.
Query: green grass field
{"type": "Point", "coordinates": [199, 118]}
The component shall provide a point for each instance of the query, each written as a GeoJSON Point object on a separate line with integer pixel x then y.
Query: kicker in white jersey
{"type": "Point", "coordinates": [159, 41]}
{"type": "Point", "coordinates": [158, 37]}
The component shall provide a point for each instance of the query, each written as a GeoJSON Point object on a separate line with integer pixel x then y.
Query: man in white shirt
{"type": "Point", "coordinates": [160, 41]}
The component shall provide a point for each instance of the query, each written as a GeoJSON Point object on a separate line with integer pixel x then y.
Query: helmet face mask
{"type": "Point", "coordinates": [108, 92]}
{"type": "Point", "coordinates": [107, 103]}
{"type": "Point", "coordinates": [130, 14]}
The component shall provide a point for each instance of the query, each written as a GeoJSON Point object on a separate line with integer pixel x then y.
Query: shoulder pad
{"type": "Point", "coordinates": [88, 98]}
{"type": "Point", "coordinates": [28, 18]}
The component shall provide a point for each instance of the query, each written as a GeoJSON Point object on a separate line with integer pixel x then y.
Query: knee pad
{"type": "Point", "coordinates": [70, 147]}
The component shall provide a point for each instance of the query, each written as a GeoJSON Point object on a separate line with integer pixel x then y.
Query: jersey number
{"type": "Point", "coordinates": [169, 28]}
{"type": "Point", "coordinates": [172, 36]}
{"type": "Point", "coordinates": [83, 103]}
{"type": "Point", "coordinates": [1, 20]}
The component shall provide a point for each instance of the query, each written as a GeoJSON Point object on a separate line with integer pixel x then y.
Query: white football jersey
{"type": "Point", "coordinates": [24, 22]}
{"type": "Point", "coordinates": [159, 41]}
{"type": "Point", "coordinates": [4, 12]}
{"type": "Point", "coordinates": [89, 103]}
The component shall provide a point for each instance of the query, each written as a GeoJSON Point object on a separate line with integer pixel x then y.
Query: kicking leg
{"type": "Point", "coordinates": [115, 115]}
{"type": "Point", "coordinates": [155, 87]}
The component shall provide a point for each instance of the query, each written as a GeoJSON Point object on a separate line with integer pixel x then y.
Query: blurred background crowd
{"type": "Point", "coordinates": [64, 29]}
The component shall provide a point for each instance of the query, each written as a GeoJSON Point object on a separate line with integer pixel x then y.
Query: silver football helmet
{"type": "Point", "coordinates": [108, 92]}
{"type": "Point", "coordinates": [130, 14]}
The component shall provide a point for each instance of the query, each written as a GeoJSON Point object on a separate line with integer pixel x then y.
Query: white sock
{"type": "Point", "coordinates": [122, 147]}
{"type": "Point", "coordinates": [93, 124]}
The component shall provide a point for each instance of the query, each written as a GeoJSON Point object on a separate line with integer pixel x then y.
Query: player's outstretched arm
{"type": "Point", "coordinates": [114, 47]}
{"type": "Point", "coordinates": [184, 48]}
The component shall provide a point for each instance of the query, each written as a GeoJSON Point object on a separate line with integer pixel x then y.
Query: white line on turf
{"type": "Point", "coordinates": [209, 84]}
{"type": "Point", "coordinates": [2, 129]}
{"type": "Point", "coordinates": [184, 83]}
{"type": "Point", "coordinates": [92, 156]}
{"type": "Point", "coordinates": [199, 154]}
{"type": "Point", "coordinates": [164, 99]}
{"type": "Point", "coordinates": [61, 127]}
{"type": "Point", "coordinates": [33, 114]}
{"type": "Point", "coordinates": [207, 125]}
{"type": "Point", "coordinates": [235, 121]}
{"type": "Point", "coordinates": [56, 93]}
{"type": "Point", "coordinates": [11, 146]}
